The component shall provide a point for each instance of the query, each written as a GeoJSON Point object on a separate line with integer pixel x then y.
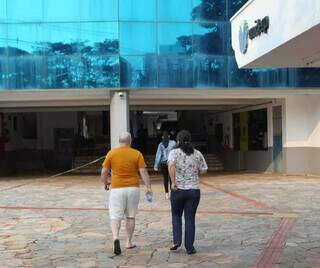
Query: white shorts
{"type": "Point", "coordinates": [124, 202]}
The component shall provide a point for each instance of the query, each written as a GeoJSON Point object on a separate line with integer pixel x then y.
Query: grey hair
{"type": "Point", "coordinates": [125, 138]}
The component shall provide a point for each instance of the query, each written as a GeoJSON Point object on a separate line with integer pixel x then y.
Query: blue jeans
{"type": "Point", "coordinates": [184, 201]}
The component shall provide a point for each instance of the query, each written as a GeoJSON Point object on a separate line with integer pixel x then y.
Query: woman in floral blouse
{"type": "Point", "coordinates": [185, 164]}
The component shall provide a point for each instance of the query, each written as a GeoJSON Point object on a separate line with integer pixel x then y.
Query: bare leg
{"type": "Point", "coordinates": [130, 225]}
{"type": "Point", "coordinates": [115, 228]}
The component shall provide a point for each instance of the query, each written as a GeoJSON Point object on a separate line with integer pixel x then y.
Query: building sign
{"type": "Point", "coordinates": [243, 37]}
{"type": "Point", "coordinates": [262, 26]}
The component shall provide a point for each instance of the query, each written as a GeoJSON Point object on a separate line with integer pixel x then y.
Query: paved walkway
{"type": "Point", "coordinates": [244, 220]}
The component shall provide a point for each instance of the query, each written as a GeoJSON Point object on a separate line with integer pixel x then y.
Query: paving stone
{"type": "Point", "coordinates": [82, 238]}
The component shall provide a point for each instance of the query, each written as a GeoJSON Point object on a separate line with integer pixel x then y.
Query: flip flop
{"type": "Point", "coordinates": [133, 246]}
{"type": "Point", "coordinates": [116, 247]}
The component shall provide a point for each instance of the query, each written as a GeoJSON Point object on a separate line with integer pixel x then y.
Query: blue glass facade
{"type": "Point", "coordinates": [48, 44]}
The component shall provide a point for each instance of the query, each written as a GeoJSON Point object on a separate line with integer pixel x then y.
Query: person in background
{"type": "Point", "coordinates": [125, 164]}
{"type": "Point", "coordinates": [173, 135]}
{"type": "Point", "coordinates": [185, 164]}
{"type": "Point", "coordinates": [162, 154]}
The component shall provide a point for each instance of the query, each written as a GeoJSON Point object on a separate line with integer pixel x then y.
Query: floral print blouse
{"type": "Point", "coordinates": [188, 168]}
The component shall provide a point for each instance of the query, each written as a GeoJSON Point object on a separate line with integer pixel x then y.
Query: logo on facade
{"type": "Point", "coordinates": [262, 26]}
{"type": "Point", "coordinates": [243, 37]}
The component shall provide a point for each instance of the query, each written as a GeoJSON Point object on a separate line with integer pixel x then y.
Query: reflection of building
{"type": "Point", "coordinates": [163, 55]}
{"type": "Point", "coordinates": [174, 48]}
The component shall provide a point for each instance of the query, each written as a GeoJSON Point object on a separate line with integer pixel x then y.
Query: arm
{"type": "Point", "coordinates": [203, 167]}
{"type": "Point", "coordinates": [106, 171]}
{"type": "Point", "coordinates": [204, 171]}
{"type": "Point", "coordinates": [105, 177]}
{"type": "Point", "coordinates": [172, 173]}
{"type": "Point", "coordinates": [145, 177]}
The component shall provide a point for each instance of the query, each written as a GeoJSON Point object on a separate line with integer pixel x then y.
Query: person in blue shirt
{"type": "Point", "coordinates": [163, 151]}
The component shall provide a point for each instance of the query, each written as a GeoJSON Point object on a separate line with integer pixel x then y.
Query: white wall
{"type": "Point", "coordinates": [119, 116]}
{"type": "Point", "coordinates": [314, 127]}
{"type": "Point", "coordinates": [289, 19]}
{"type": "Point", "coordinates": [302, 121]}
{"type": "Point", "coordinates": [302, 134]}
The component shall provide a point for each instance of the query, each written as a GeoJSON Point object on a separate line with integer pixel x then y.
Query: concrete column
{"type": "Point", "coordinates": [301, 134]}
{"type": "Point", "coordinates": [119, 115]}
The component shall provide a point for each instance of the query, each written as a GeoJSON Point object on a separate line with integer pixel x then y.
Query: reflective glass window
{"type": "Point", "coordinates": [98, 10]}
{"type": "Point", "coordinates": [3, 72]}
{"type": "Point", "coordinates": [63, 71]}
{"type": "Point", "coordinates": [3, 56]}
{"type": "Point", "coordinates": [242, 77]}
{"type": "Point", "coordinates": [234, 6]}
{"type": "Point", "coordinates": [210, 71]}
{"type": "Point", "coordinates": [308, 77]}
{"type": "Point", "coordinates": [228, 39]}
{"type": "Point", "coordinates": [3, 39]}
{"type": "Point", "coordinates": [22, 10]}
{"type": "Point", "coordinates": [177, 10]}
{"type": "Point", "coordinates": [140, 10]}
{"type": "Point", "coordinates": [61, 38]}
{"type": "Point", "coordinates": [99, 38]}
{"type": "Point", "coordinates": [275, 77]}
{"type": "Point", "coordinates": [137, 38]}
{"type": "Point", "coordinates": [25, 72]}
{"type": "Point", "coordinates": [175, 71]}
{"type": "Point", "coordinates": [139, 71]}
{"type": "Point", "coordinates": [25, 39]}
{"type": "Point", "coordinates": [209, 10]}
{"type": "Point", "coordinates": [3, 11]}
{"type": "Point", "coordinates": [62, 10]}
{"type": "Point", "coordinates": [175, 38]}
{"type": "Point", "coordinates": [100, 71]}
{"type": "Point", "coordinates": [209, 39]}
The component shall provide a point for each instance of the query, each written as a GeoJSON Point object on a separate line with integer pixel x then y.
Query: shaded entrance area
{"type": "Point", "coordinates": [234, 134]}
{"type": "Point", "coordinates": [51, 140]}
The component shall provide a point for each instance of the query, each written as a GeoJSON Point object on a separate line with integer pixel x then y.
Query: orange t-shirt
{"type": "Point", "coordinates": [124, 163]}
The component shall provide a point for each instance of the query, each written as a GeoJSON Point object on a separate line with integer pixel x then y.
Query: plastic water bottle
{"type": "Point", "coordinates": [149, 197]}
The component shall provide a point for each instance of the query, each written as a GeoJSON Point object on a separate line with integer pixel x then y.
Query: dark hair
{"type": "Point", "coordinates": [165, 135]}
{"type": "Point", "coordinates": [165, 138]}
{"type": "Point", "coordinates": [184, 142]}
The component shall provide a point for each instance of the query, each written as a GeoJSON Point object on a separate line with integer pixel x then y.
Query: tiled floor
{"type": "Point", "coordinates": [244, 220]}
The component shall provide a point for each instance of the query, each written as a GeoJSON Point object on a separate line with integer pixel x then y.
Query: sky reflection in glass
{"type": "Point", "coordinates": [128, 43]}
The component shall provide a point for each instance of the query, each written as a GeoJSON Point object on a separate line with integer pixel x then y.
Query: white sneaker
{"type": "Point", "coordinates": [167, 196]}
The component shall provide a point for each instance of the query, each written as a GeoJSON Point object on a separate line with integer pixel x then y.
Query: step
{"type": "Point", "coordinates": [213, 162]}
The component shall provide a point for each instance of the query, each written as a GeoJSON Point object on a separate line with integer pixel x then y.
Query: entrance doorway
{"type": "Point", "coordinates": [147, 128]}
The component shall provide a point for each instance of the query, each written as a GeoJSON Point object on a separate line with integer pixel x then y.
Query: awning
{"type": "Point", "coordinates": [277, 33]}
